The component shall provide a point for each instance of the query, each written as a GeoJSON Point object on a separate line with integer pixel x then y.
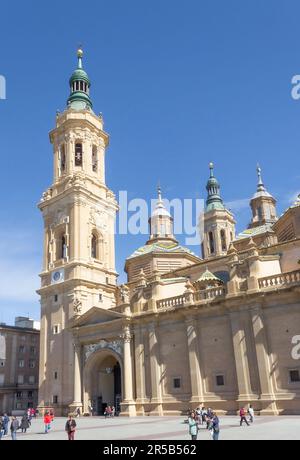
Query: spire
{"type": "Point", "coordinates": [214, 200]}
{"type": "Point", "coordinates": [160, 209]}
{"type": "Point", "coordinates": [260, 184]}
{"type": "Point", "coordinates": [79, 98]}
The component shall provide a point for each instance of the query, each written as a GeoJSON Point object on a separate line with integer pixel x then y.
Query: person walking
{"type": "Point", "coordinates": [251, 413]}
{"type": "Point", "coordinates": [243, 417]}
{"type": "Point", "coordinates": [47, 421]}
{"type": "Point", "coordinates": [70, 428]}
{"type": "Point", "coordinates": [24, 423]}
{"type": "Point", "coordinates": [193, 426]}
{"type": "Point", "coordinates": [14, 426]}
{"type": "Point", "coordinates": [78, 412]}
{"type": "Point", "coordinates": [1, 427]}
{"type": "Point", "coordinates": [215, 426]}
{"type": "Point", "coordinates": [5, 424]}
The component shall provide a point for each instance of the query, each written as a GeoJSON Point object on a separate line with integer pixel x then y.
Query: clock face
{"type": "Point", "coordinates": [56, 276]}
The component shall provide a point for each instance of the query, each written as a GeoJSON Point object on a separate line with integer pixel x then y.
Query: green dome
{"type": "Point", "coordinates": [79, 74]}
{"type": "Point", "coordinates": [79, 98]}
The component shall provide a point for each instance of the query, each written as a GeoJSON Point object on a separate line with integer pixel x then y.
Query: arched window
{"type": "Point", "coordinates": [94, 251]}
{"type": "Point", "coordinates": [61, 249]}
{"type": "Point", "coordinates": [78, 154]}
{"type": "Point", "coordinates": [62, 158]}
{"type": "Point", "coordinates": [94, 159]}
{"type": "Point", "coordinates": [223, 240]}
{"type": "Point", "coordinates": [211, 243]}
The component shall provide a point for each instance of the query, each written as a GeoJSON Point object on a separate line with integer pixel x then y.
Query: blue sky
{"type": "Point", "coordinates": [179, 84]}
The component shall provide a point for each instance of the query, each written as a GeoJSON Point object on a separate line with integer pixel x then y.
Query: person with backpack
{"type": "Point", "coordinates": [70, 428]}
{"type": "Point", "coordinates": [193, 426]}
{"type": "Point", "coordinates": [243, 417]}
{"type": "Point", "coordinates": [14, 426]}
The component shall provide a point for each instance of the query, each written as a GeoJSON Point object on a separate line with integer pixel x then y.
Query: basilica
{"type": "Point", "coordinates": [221, 330]}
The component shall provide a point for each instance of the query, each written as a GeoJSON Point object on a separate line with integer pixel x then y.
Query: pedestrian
{"type": "Point", "coordinates": [52, 415]}
{"type": "Point", "coordinates": [193, 426]}
{"type": "Point", "coordinates": [204, 414]}
{"type": "Point", "coordinates": [14, 426]}
{"type": "Point", "coordinates": [24, 423]}
{"type": "Point", "coordinates": [1, 427]}
{"type": "Point", "coordinates": [243, 417]}
{"type": "Point", "coordinates": [251, 413]}
{"type": "Point", "coordinates": [113, 411]}
{"type": "Point", "coordinates": [215, 426]}
{"type": "Point", "coordinates": [47, 422]}
{"type": "Point", "coordinates": [199, 415]}
{"type": "Point", "coordinates": [5, 424]}
{"type": "Point", "coordinates": [70, 428]}
{"type": "Point", "coordinates": [78, 412]}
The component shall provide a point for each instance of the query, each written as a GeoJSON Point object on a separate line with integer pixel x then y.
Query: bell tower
{"type": "Point", "coordinates": [79, 214]}
{"type": "Point", "coordinates": [219, 223]}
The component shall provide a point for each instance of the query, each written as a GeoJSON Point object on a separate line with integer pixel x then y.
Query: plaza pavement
{"type": "Point", "coordinates": [165, 428]}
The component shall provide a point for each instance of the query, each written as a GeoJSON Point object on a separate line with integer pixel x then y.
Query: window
{"type": "Point", "coordinates": [259, 213]}
{"type": "Point", "coordinates": [31, 379]}
{"type": "Point", "coordinates": [220, 381]}
{"type": "Point", "coordinates": [62, 159]}
{"type": "Point", "coordinates": [211, 243]}
{"type": "Point", "coordinates": [55, 399]}
{"type": "Point", "coordinates": [32, 363]}
{"type": "Point", "coordinates": [20, 379]}
{"type": "Point", "coordinates": [107, 280]}
{"type": "Point", "coordinates": [78, 154]}
{"type": "Point", "coordinates": [32, 350]}
{"type": "Point", "coordinates": [94, 158]}
{"type": "Point", "coordinates": [177, 382]}
{"type": "Point", "coordinates": [55, 298]}
{"type": "Point", "coordinates": [2, 363]}
{"type": "Point", "coordinates": [19, 395]}
{"type": "Point", "coordinates": [61, 247]}
{"type": "Point", "coordinates": [1, 379]}
{"type": "Point", "coordinates": [19, 405]}
{"type": "Point", "coordinates": [223, 240]}
{"type": "Point", "coordinates": [100, 298]}
{"type": "Point", "coordinates": [55, 329]}
{"type": "Point", "coordinates": [30, 394]}
{"type": "Point", "coordinates": [94, 246]}
{"type": "Point", "coordinates": [21, 349]}
{"type": "Point", "coordinates": [21, 363]}
{"type": "Point", "coordinates": [294, 376]}
{"type": "Point", "coordinates": [55, 375]}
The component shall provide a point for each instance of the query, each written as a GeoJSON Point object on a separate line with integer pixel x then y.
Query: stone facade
{"type": "Point", "coordinates": [222, 331]}
{"type": "Point", "coordinates": [19, 368]}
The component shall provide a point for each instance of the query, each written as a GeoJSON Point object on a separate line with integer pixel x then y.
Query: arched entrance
{"type": "Point", "coordinates": [102, 383]}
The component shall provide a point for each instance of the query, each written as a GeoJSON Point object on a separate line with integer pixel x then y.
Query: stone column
{"type": "Point", "coordinates": [128, 405]}
{"type": "Point", "coordinates": [194, 361]}
{"type": "Point", "coordinates": [267, 396]}
{"type": "Point", "coordinates": [77, 402]}
{"type": "Point", "coordinates": [140, 367]}
{"type": "Point", "coordinates": [241, 357]}
{"type": "Point", "coordinates": [155, 371]}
